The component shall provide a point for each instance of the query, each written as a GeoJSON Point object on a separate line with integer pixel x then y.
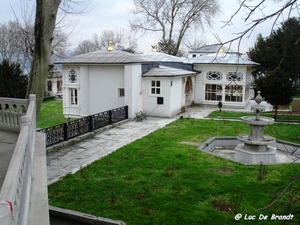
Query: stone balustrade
{"type": "Point", "coordinates": [11, 109]}
{"type": "Point", "coordinates": [15, 192]}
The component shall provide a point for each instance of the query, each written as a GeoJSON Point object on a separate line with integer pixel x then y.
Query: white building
{"type": "Point", "coordinates": [104, 80]}
{"type": "Point", "coordinates": [224, 77]}
{"type": "Point", "coordinates": [54, 83]}
{"type": "Point", "coordinates": [155, 83]}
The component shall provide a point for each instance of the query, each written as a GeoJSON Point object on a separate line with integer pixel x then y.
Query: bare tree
{"type": "Point", "coordinates": [85, 47]}
{"type": "Point", "coordinates": [12, 46]}
{"type": "Point", "coordinates": [17, 42]}
{"type": "Point", "coordinates": [120, 39]}
{"type": "Point", "coordinates": [172, 18]}
{"type": "Point", "coordinates": [255, 13]}
{"type": "Point", "coordinates": [45, 22]}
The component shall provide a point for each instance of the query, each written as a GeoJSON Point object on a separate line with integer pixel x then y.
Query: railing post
{"type": "Point", "coordinates": [110, 117]}
{"type": "Point", "coordinates": [6, 214]}
{"type": "Point", "coordinates": [65, 131]}
{"type": "Point", "coordinates": [126, 112]}
{"type": "Point", "coordinates": [91, 124]}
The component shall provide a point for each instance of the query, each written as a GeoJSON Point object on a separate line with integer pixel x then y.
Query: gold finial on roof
{"type": "Point", "coordinates": [110, 45]}
{"type": "Point", "coordinates": [154, 47]}
{"type": "Point", "coordinates": [221, 49]}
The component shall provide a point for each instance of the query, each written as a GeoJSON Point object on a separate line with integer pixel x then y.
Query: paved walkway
{"type": "Point", "coordinates": [71, 159]}
{"type": "Point", "coordinates": [8, 142]}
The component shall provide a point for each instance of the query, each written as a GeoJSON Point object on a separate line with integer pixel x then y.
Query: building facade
{"type": "Point", "coordinates": [155, 83]}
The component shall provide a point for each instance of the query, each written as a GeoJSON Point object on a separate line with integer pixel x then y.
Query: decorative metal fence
{"type": "Point", "coordinates": [72, 129]}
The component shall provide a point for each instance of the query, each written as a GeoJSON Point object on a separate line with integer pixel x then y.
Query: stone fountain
{"type": "Point", "coordinates": [254, 148]}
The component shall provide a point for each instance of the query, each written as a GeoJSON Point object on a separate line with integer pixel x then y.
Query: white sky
{"type": "Point", "coordinates": [113, 14]}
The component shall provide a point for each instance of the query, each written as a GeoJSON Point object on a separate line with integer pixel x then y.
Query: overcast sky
{"type": "Point", "coordinates": [114, 14]}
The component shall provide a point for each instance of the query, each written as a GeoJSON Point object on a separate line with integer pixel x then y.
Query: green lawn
{"type": "Point", "coordinates": [51, 113]}
{"type": "Point", "coordinates": [158, 180]}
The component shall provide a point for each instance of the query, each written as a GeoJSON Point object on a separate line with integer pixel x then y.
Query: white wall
{"type": "Point", "coordinates": [97, 87]}
{"type": "Point", "coordinates": [102, 87]}
{"type": "Point", "coordinates": [175, 96]}
{"type": "Point", "coordinates": [150, 101]}
{"type": "Point", "coordinates": [133, 89]}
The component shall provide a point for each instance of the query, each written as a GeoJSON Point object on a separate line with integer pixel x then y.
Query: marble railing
{"type": "Point", "coordinates": [15, 191]}
{"type": "Point", "coordinates": [11, 109]}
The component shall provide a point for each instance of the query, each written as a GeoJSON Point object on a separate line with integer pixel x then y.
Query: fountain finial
{"type": "Point", "coordinates": [258, 108]}
{"type": "Point", "coordinates": [258, 98]}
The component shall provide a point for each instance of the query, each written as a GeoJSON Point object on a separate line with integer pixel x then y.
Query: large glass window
{"type": "Point", "coordinates": [213, 92]}
{"type": "Point", "coordinates": [234, 93]}
{"type": "Point", "coordinates": [155, 87]}
{"type": "Point", "coordinates": [73, 96]}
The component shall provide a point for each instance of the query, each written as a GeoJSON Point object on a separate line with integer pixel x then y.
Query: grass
{"type": "Point", "coordinates": [157, 180]}
{"type": "Point", "coordinates": [234, 114]}
{"type": "Point", "coordinates": [51, 114]}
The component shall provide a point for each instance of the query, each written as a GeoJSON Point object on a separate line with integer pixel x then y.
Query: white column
{"type": "Point", "coordinates": [133, 88]}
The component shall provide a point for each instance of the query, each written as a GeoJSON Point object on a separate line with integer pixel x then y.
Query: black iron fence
{"type": "Point", "coordinates": [72, 129]}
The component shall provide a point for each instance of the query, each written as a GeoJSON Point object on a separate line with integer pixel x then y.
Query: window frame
{"type": "Point", "coordinates": [73, 72]}
{"type": "Point", "coordinates": [235, 76]}
{"type": "Point", "coordinates": [73, 96]}
{"type": "Point", "coordinates": [214, 75]}
{"type": "Point", "coordinates": [234, 93]}
{"type": "Point", "coordinates": [49, 85]}
{"type": "Point", "coordinates": [120, 94]}
{"type": "Point", "coordinates": [213, 93]}
{"type": "Point", "coordinates": [154, 87]}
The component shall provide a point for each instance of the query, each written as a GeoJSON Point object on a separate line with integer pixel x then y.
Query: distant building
{"type": "Point", "coordinates": [208, 49]}
{"type": "Point", "coordinates": [54, 83]}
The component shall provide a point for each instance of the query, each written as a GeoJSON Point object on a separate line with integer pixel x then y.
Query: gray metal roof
{"type": "Point", "coordinates": [105, 57]}
{"type": "Point", "coordinates": [211, 49]}
{"type": "Point", "coordinates": [162, 57]}
{"type": "Point", "coordinates": [222, 58]}
{"type": "Point", "coordinates": [164, 71]}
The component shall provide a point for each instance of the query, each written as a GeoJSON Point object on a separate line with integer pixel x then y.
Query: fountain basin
{"type": "Point", "coordinates": [250, 155]}
{"type": "Point", "coordinates": [257, 144]}
{"type": "Point", "coordinates": [225, 147]}
{"type": "Point", "coordinates": [262, 121]}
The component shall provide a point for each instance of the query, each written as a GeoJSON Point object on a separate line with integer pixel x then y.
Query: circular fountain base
{"type": "Point", "coordinates": [245, 155]}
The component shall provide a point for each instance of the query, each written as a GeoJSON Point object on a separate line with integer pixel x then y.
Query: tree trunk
{"type": "Point", "coordinates": [275, 111]}
{"type": "Point", "coordinates": [46, 11]}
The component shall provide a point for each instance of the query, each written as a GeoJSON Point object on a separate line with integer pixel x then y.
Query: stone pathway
{"type": "Point", "coordinates": [8, 142]}
{"type": "Point", "coordinates": [73, 158]}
